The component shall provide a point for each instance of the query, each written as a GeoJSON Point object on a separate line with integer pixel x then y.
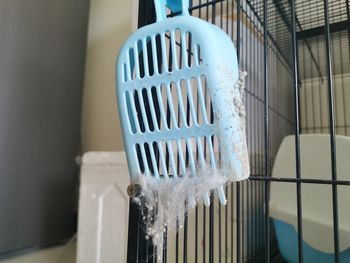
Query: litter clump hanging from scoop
{"type": "Point", "coordinates": [164, 202]}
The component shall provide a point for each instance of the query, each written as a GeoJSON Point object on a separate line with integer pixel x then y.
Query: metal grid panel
{"type": "Point", "coordinates": [310, 13]}
{"type": "Point", "coordinates": [317, 47]}
{"type": "Point", "coordinates": [309, 22]}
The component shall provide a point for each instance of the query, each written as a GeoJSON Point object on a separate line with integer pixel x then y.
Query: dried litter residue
{"type": "Point", "coordinates": [239, 102]}
{"type": "Point", "coordinates": [242, 152]}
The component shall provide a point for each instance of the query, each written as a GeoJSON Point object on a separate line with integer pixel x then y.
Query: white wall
{"type": "Point", "coordinates": [111, 22]}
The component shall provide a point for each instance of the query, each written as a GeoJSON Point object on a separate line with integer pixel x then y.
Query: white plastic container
{"type": "Point", "coordinates": [316, 198]}
{"type": "Point", "coordinates": [103, 208]}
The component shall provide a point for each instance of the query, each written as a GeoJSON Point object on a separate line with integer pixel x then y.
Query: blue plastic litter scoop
{"type": "Point", "coordinates": [179, 107]}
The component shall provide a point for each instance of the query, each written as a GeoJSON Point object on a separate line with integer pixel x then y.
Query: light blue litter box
{"type": "Point", "coordinates": [316, 200]}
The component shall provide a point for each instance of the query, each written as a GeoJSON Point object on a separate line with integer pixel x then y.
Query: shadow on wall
{"type": "Point", "coordinates": [109, 26]}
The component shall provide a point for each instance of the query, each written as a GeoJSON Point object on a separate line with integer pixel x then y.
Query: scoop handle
{"type": "Point", "coordinates": [176, 6]}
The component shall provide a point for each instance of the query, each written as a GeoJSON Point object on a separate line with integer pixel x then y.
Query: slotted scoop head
{"type": "Point", "coordinates": [179, 107]}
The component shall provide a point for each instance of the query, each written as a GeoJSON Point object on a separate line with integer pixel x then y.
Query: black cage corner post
{"type": "Point", "coordinates": [296, 55]}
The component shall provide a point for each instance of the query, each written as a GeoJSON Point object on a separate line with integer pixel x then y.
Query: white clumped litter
{"type": "Point", "coordinates": [163, 202]}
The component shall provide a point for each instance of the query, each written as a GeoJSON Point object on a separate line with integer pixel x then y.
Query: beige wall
{"type": "Point", "coordinates": [314, 105]}
{"type": "Point", "coordinates": [111, 21]}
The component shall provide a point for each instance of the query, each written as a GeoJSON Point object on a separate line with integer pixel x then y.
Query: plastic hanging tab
{"type": "Point", "coordinates": [178, 6]}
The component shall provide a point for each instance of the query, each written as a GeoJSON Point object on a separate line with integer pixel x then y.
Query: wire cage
{"type": "Point", "coordinates": [297, 57]}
